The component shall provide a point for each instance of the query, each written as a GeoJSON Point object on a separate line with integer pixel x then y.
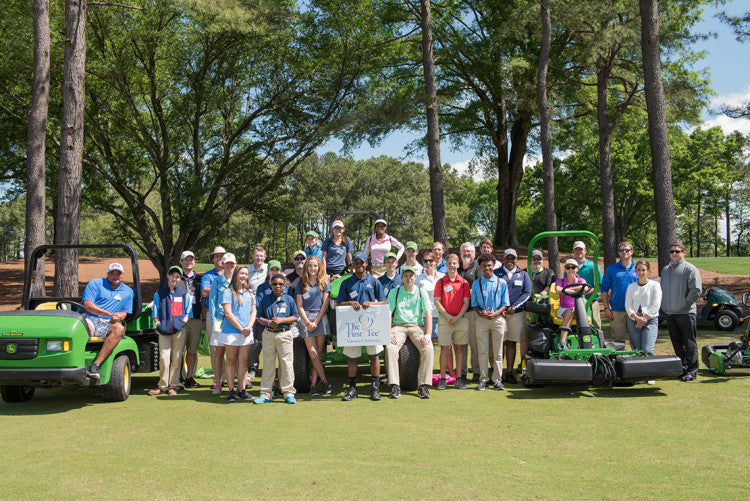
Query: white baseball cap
{"type": "Point", "coordinates": [218, 250]}
{"type": "Point", "coordinates": [337, 223]}
{"type": "Point", "coordinates": [510, 252]}
{"type": "Point", "coordinates": [229, 257]}
{"type": "Point", "coordinates": [186, 254]}
{"type": "Point", "coordinates": [115, 267]}
{"type": "Point", "coordinates": [379, 221]}
{"type": "Point", "coordinates": [578, 244]}
{"type": "Point", "coordinates": [571, 262]}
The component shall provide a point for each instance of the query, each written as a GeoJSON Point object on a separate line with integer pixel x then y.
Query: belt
{"type": "Point", "coordinates": [278, 330]}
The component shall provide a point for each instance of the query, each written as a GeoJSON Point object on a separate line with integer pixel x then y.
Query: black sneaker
{"type": "Point", "coordinates": [510, 378]}
{"type": "Point", "coordinates": [93, 371]}
{"type": "Point", "coordinates": [460, 385]}
{"type": "Point", "coordinates": [192, 383]}
{"type": "Point", "coordinates": [231, 396]}
{"type": "Point", "coordinates": [498, 386]}
{"type": "Point", "coordinates": [423, 391]}
{"type": "Point", "coordinates": [314, 391]}
{"type": "Point", "coordinates": [475, 378]}
{"type": "Point", "coordinates": [374, 393]}
{"type": "Point", "coordinates": [326, 388]}
{"type": "Point", "coordinates": [442, 385]}
{"type": "Point", "coordinates": [482, 385]}
{"type": "Point", "coordinates": [244, 395]}
{"type": "Point", "coordinates": [689, 376]}
{"type": "Point", "coordinates": [350, 394]}
{"type": "Point", "coordinates": [395, 391]}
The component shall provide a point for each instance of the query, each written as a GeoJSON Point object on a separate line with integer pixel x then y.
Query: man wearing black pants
{"type": "Point", "coordinates": [681, 288]}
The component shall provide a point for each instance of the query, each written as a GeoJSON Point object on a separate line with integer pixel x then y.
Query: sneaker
{"type": "Point", "coordinates": [326, 388]}
{"type": "Point", "coordinates": [192, 383]}
{"type": "Point", "coordinates": [562, 346]}
{"type": "Point", "coordinates": [482, 385]}
{"type": "Point", "coordinates": [290, 399]}
{"type": "Point", "coordinates": [395, 391]}
{"type": "Point", "coordinates": [314, 391]}
{"type": "Point", "coordinates": [350, 394]}
{"type": "Point", "coordinates": [651, 381]}
{"type": "Point", "coordinates": [216, 390]}
{"type": "Point", "coordinates": [93, 372]}
{"type": "Point", "coordinates": [689, 376]}
{"type": "Point", "coordinates": [460, 384]}
{"type": "Point", "coordinates": [423, 391]}
{"type": "Point", "coordinates": [244, 395]}
{"type": "Point", "coordinates": [442, 385]}
{"type": "Point", "coordinates": [261, 400]}
{"type": "Point", "coordinates": [251, 375]}
{"type": "Point", "coordinates": [248, 381]}
{"type": "Point", "coordinates": [498, 385]}
{"type": "Point", "coordinates": [475, 378]}
{"type": "Point", "coordinates": [519, 369]}
{"type": "Point", "coordinates": [231, 397]}
{"type": "Point", "coordinates": [510, 378]}
{"type": "Point", "coordinates": [374, 393]}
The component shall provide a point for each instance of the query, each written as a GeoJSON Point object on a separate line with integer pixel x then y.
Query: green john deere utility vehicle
{"type": "Point", "coordinates": [47, 344]}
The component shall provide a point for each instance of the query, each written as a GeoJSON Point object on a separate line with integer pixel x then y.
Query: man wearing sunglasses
{"type": "Point", "coordinates": [614, 284]}
{"type": "Point", "coordinates": [680, 289]}
{"type": "Point", "coordinates": [299, 263]}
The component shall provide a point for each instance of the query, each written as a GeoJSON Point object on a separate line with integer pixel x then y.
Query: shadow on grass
{"type": "Point", "coordinates": [566, 392]}
{"type": "Point", "coordinates": [53, 401]}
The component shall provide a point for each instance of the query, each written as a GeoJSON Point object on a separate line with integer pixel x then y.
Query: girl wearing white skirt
{"type": "Point", "coordinates": [237, 330]}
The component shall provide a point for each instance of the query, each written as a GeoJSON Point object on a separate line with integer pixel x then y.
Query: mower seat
{"type": "Point", "coordinates": [554, 304]}
{"type": "Point", "coordinates": [96, 339]}
{"type": "Point", "coordinates": [47, 305]}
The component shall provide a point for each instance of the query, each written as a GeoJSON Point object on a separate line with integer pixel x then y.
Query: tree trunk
{"type": "Point", "coordinates": [605, 165]}
{"type": "Point", "coordinates": [433, 131]}
{"type": "Point", "coordinates": [661, 169]}
{"type": "Point", "coordinates": [509, 175]}
{"type": "Point", "coordinates": [68, 221]}
{"type": "Point", "coordinates": [36, 145]}
{"type": "Point", "coordinates": [544, 112]}
{"type": "Point", "coordinates": [697, 232]}
{"type": "Point", "coordinates": [729, 227]}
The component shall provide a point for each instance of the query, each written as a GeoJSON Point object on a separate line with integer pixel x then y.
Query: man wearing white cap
{"type": "Point", "coordinates": [216, 317]}
{"type": "Point", "coordinates": [191, 283]}
{"type": "Point", "coordinates": [206, 281]}
{"type": "Point", "coordinates": [586, 272]}
{"type": "Point", "coordinates": [107, 301]}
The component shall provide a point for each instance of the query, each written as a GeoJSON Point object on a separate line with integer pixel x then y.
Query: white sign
{"type": "Point", "coordinates": [366, 327]}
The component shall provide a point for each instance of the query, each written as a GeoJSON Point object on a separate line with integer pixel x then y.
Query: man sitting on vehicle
{"type": "Point", "coordinates": [107, 301]}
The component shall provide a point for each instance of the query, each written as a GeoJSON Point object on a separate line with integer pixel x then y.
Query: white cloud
{"type": "Point", "coordinates": [733, 99]}
{"type": "Point", "coordinates": [728, 125]}
{"type": "Point", "coordinates": [461, 167]}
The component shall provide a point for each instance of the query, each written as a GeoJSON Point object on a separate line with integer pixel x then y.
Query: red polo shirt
{"type": "Point", "coordinates": [452, 293]}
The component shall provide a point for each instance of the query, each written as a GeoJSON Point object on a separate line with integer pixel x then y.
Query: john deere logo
{"type": "Point", "coordinates": [13, 333]}
{"type": "Point", "coordinates": [11, 348]}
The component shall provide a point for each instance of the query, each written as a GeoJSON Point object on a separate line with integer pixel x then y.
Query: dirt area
{"type": "Point", "coordinates": [11, 274]}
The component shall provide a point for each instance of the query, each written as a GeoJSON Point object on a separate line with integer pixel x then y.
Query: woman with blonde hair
{"type": "Point", "coordinates": [313, 294]}
{"type": "Point", "coordinates": [237, 330]}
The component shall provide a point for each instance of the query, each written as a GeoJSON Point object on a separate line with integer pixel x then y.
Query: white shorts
{"type": "Point", "coordinates": [356, 351]}
{"type": "Point", "coordinates": [235, 339]}
{"type": "Point", "coordinates": [561, 310]}
{"type": "Point", "coordinates": [213, 331]}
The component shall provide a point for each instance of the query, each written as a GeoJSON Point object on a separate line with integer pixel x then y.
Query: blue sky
{"type": "Point", "coordinates": [726, 60]}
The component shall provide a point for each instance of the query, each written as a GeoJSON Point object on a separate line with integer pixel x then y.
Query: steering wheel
{"type": "Point", "coordinates": [73, 306]}
{"type": "Point", "coordinates": [583, 286]}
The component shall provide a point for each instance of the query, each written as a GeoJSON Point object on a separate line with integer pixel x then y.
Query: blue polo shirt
{"type": "Point", "coordinates": [586, 272]}
{"type": "Point", "coordinates": [265, 289]}
{"type": "Point", "coordinates": [314, 251]}
{"type": "Point", "coordinates": [336, 254]}
{"type": "Point", "coordinates": [242, 312]}
{"type": "Point", "coordinates": [101, 293]}
{"type": "Point", "coordinates": [214, 298]}
{"type": "Point", "coordinates": [617, 278]}
{"type": "Point", "coordinates": [361, 290]}
{"type": "Point", "coordinates": [390, 283]}
{"type": "Point", "coordinates": [207, 280]}
{"type": "Point", "coordinates": [442, 267]}
{"type": "Point", "coordinates": [489, 294]}
{"type": "Point", "coordinates": [519, 286]}
{"type": "Point", "coordinates": [278, 306]}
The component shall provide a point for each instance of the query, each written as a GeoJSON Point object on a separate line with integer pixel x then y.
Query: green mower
{"type": "Point", "coordinates": [718, 358]}
{"type": "Point", "coordinates": [587, 358]}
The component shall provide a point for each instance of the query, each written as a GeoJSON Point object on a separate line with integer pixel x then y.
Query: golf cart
{"type": "Point", "coordinates": [588, 359]}
{"type": "Point", "coordinates": [48, 344]}
{"type": "Point", "coordinates": [719, 358]}
{"type": "Point", "coordinates": [722, 307]}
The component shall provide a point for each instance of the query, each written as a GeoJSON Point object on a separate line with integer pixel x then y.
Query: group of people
{"type": "Point", "coordinates": [473, 307]}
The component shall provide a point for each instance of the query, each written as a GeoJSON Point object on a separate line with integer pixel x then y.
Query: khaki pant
{"type": "Point", "coordinates": [193, 334]}
{"type": "Point", "coordinates": [490, 331]}
{"type": "Point", "coordinates": [619, 326]}
{"type": "Point", "coordinates": [170, 359]}
{"type": "Point", "coordinates": [426, 353]}
{"type": "Point", "coordinates": [280, 343]}
{"type": "Point", "coordinates": [472, 360]}
{"type": "Point", "coordinates": [596, 314]}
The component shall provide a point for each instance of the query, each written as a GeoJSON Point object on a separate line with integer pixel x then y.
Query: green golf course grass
{"type": "Point", "coordinates": [673, 440]}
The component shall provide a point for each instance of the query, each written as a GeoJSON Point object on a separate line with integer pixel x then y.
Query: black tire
{"type": "Point", "coordinates": [408, 366]}
{"type": "Point", "coordinates": [710, 348]}
{"type": "Point", "coordinates": [14, 394]}
{"type": "Point", "coordinates": [118, 387]}
{"type": "Point", "coordinates": [726, 320]}
{"type": "Point", "coordinates": [301, 366]}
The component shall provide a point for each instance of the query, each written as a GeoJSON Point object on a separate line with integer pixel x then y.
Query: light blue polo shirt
{"type": "Point", "coordinates": [489, 294]}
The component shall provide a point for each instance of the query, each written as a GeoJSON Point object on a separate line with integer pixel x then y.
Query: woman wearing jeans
{"type": "Point", "coordinates": [642, 301]}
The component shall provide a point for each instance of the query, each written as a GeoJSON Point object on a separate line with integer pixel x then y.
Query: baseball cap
{"type": "Point", "coordinates": [412, 245]}
{"type": "Point", "coordinates": [408, 268]}
{"type": "Point", "coordinates": [379, 221]}
{"type": "Point", "coordinates": [510, 252]}
{"type": "Point", "coordinates": [389, 255]}
{"type": "Point", "coordinates": [338, 223]}
{"type": "Point", "coordinates": [229, 257]}
{"type": "Point", "coordinates": [578, 244]}
{"type": "Point", "coordinates": [186, 254]}
{"type": "Point", "coordinates": [217, 250]}
{"type": "Point", "coordinates": [115, 267]}
{"type": "Point", "coordinates": [274, 264]}
{"type": "Point", "coordinates": [537, 253]}
{"type": "Point", "coordinates": [360, 255]}
{"type": "Point", "coordinates": [571, 262]}
{"type": "Point", "coordinates": [173, 268]}
{"type": "Point", "coordinates": [312, 233]}
{"type": "Point", "coordinates": [298, 252]}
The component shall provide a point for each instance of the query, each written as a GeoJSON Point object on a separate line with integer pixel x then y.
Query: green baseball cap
{"type": "Point", "coordinates": [174, 268]}
{"type": "Point", "coordinates": [412, 245]}
{"type": "Point", "coordinates": [390, 255]}
{"type": "Point", "coordinates": [312, 233]}
{"type": "Point", "coordinates": [274, 264]}
{"type": "Point", "coordinates": [408, 268]}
